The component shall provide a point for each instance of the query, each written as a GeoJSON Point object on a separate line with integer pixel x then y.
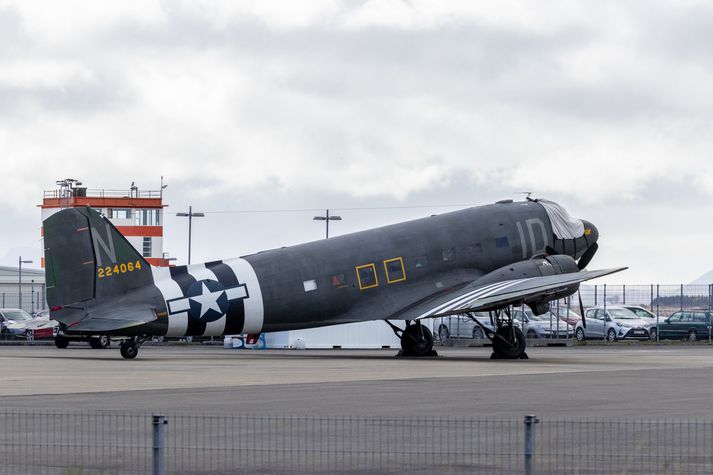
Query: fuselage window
{"type": "Point", "coordinates": [339, 281]}
{"type": "Point", "coordinates": [501, 242]}
{"type": "Point", "coordinates": [420, 261]}
{"type": "Point", "coordinates": [449, 254]}
{"type": "Point", "coordinates": [310, 285]}
{"type": "Point", "coordinates": [366, 275]}
{"type": "Point", "coordinates": [394, 270]}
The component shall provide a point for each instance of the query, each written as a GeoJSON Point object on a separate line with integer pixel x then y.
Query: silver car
{"type": "Point", "coordinates": [14, 322]}
{"type": "Point", "coordinates": [614, 323]}
{"type": "Point", "coordinates": [462, 326]}
{"type": "Point", "coordinates": [546, 325]}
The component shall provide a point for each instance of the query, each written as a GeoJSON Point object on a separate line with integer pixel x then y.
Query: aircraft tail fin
{"type": "Point", "coordinates": [87, 258]}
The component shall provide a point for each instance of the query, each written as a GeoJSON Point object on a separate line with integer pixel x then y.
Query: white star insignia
{"type": "Point", "coordinates": [208, 300]}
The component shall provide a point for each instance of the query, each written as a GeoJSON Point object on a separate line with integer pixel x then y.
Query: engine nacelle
{"type": "Point", "coordinates": [537, 267]}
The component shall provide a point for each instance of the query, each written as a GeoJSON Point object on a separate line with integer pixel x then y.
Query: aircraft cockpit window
{"type": "Point", "coordinates": [449, 254]}
{"type": "Point", "coordinates": [366, 275]}
{"type": "Point", "coordinates": [339, 281]}
{"type": "Point", "coordinates": [394, 270]}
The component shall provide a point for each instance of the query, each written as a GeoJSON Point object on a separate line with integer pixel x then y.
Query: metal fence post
{"type": "Point", "coordinates": [658, 312]}
{"type": "Point", "coordinates": [530, 422]}
{"type": "Point", "coordinates": [159, 444]}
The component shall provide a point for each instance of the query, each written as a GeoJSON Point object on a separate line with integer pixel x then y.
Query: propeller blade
{"type": "Point", "coordinates": [581, 309]}
{"type": "Point", "coordinates": [587, 256]}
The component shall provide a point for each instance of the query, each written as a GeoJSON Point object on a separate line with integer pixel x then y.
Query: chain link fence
{"type": "Point", "coordinates": [30, 301]}
{"type": "Point", "coordinates": [44, 442]}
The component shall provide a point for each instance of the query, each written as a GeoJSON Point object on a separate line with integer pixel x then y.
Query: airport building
{"type": "Point", "coordinates": [137, 214]}
{"type": "Point", "coordinates": [32, 284]}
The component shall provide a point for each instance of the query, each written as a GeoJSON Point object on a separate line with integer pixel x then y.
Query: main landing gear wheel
{"type": "Point", "coordinates": [443, 334]}
{"type": "Point", "coordinates": [509, 344]}
{"type": "Point", "coordinates": [417, 340]}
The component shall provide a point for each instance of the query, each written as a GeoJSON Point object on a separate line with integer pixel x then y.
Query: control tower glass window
{"type": "Point", "coordinates": [147, 247]}
{"type": "Point", "coordinates": [120, 213]}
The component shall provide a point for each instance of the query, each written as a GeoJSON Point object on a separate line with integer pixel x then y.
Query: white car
{"type": "Point", "coordinates": [462, 326]}
{"type": "Point", "coordinates": [614, 323]}
{"type": "Point", "coordinates": [546, 325]}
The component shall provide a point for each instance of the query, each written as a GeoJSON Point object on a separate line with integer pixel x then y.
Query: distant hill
{"type": "Point", "coordinates": [705, 279]}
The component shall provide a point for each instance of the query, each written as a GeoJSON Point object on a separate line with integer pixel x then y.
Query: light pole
{"type": "Point", "coordinates": [190, 215]}
{"type": "Point", "coordinates": [19, 279]}
{"type": "Point", "coordinates": [327, 218]}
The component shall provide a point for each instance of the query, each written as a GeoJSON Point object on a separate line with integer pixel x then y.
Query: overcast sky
{"type": "Point", "coordinates": [605, 107]}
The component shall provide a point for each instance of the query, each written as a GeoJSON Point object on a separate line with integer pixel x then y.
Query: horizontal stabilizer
{"type": "Point", "coordinates": [104, 319]}
{"type": "Point", "coordinates": [103, 325]}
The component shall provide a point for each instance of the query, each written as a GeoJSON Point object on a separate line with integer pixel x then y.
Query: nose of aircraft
{"type": "Point", "coordinates": [591, 233]}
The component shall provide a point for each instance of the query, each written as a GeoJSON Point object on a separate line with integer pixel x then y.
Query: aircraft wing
{"type": "Point", "coordinates": [478, 297]}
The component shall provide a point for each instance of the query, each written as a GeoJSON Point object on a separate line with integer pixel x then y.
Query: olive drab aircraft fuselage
{"type": "Point", "coordinates": [484, 258]}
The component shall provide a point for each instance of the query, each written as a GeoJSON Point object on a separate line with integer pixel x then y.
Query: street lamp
{"type": "Point", "coordinates": [327, 218]}
{"type": "Point", "coordinates": [19, 279]}
{"type": "Point", "coordinates": [190, 215]}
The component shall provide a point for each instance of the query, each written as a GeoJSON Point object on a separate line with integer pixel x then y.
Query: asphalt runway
{"type": "Point", "coordinates": [617, 381]}
{"type": "Point", "coordinates": [346, 411]}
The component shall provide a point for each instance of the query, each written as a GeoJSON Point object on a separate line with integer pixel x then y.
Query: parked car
{"type": "Point", "coordinates": [62, 340]}
{"type": "Point", "coordinates": [567, 314]}
{"type": "Point", "coordinates": [641, 311]}
{"type": "Point", "coordinates": [15, 322]}
{"type": "Point", "coordinates": [462, 326]}
{"type": "Point", "coordinates": [546, 325]}
{"type": "Point", "coordinates": [614, 323]}
{"type": "Point", "coordinates": [41, 326]}
{"type": "Point", "coordinates": [691, 325]}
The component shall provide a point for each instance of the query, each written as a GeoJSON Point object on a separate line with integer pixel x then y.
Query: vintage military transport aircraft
{"type": "Point", "coordinates": [485, 258]}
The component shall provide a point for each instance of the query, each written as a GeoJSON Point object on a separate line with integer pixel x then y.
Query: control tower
{"type": "Point", "coordinates": [137, 214]}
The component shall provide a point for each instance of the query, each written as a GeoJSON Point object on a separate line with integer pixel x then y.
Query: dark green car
{"type": "Point", "coordinates": [689, 325]}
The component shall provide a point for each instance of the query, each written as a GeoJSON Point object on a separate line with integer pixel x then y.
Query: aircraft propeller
{"type": "Point", "coordinates": [584, 260]}
{"type": "Point", "coordinates": [587, 256]}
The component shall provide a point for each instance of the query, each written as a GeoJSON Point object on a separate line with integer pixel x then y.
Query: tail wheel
{"type": "Point", "coordinates": [579, 334]}
{"type": "Point", "coordinates": [692, 335]}
{"type": "Point", "coordinates": [611, 335]}
{"type": "Point", "coordinates": [509, 343]}
{"type": "Point", "coordinates": [417, 340]}
{"type": "Point", "coordinates": [128, 350]}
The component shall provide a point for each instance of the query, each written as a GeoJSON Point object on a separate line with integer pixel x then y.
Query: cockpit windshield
{"type": "Point", "coordinates": [564, 226]}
